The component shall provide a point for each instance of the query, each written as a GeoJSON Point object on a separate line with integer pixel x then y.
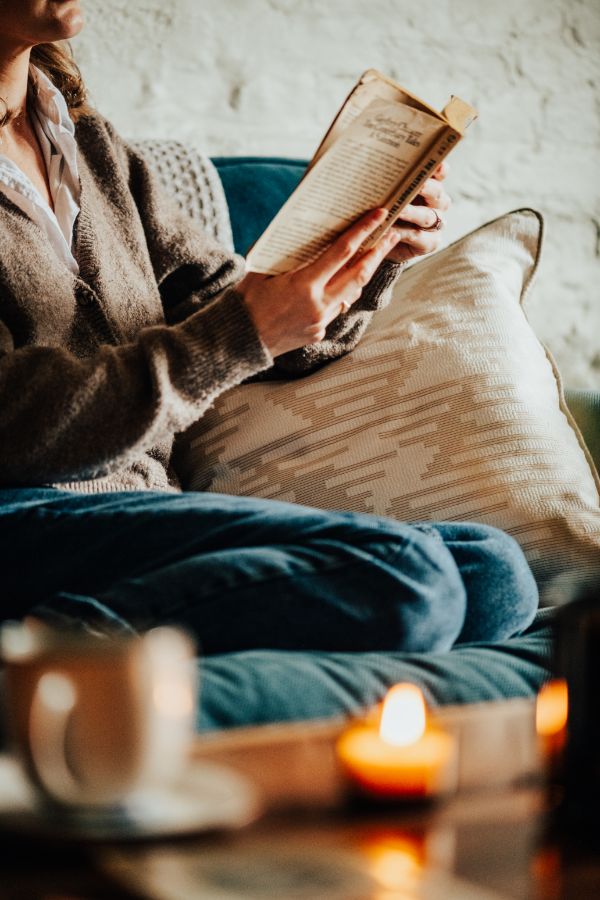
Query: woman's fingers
{"type": "Point", "coordinates": [416, 224]}
{"type": "Point", "coordinates": [442, 171]}
{"type": "Point", "coordinates": [433, 194]}
{"type": "Point", "coordinates": [418, 242]}
{"type": "Point", "coordinates": [419, 216]}
{"type": "Point", "coordinates": [345, 246]}
{"type": "Point", "coordinates": [352, 279]}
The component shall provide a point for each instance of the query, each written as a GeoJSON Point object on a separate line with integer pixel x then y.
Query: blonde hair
{"type": "Point", "coordinates": [56, 61]}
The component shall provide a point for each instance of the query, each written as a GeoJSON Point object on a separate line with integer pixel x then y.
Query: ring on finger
{"type": "Point", "coordinates": [437, 225]}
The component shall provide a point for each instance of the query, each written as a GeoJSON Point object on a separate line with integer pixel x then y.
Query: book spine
{"type": "Point", "coordinates": [408, 189]}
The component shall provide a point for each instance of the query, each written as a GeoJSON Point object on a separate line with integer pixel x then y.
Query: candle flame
{"type": "Point", "coordinates": [552, 707]}
{"type": "Point", "coordinates": [403, 717]}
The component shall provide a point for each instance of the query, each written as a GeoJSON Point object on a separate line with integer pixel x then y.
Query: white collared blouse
{"type": "Point", "coordinates": [56, 135]}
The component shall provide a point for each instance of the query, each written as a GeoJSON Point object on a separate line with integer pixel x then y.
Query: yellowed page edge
{"type": "Point", "coordinates": [372, 85]}
{"type": "Point", "coordinates": [368, 165]}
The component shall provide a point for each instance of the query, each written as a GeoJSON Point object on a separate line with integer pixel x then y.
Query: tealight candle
{"type": "Point", "coordinates": [402, 756]}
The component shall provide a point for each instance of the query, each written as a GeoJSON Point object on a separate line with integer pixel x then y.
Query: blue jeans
{"type": "Point", "coordinates": [244, 573]}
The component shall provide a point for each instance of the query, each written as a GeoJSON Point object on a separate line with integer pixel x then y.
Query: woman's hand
{"type": "Point", "coordinates": [295, 308]}
{"type": "Point", "coordinates": [423, 213]}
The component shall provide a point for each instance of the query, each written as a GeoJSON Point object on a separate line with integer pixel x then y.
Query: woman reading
{"type": "Point", "coordinates": [120, 323]}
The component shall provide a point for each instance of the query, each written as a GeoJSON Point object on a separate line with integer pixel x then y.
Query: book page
{"type": "Point", "coordinates": [360, 171]}
{"type": "Point", "coordinates": [371, 86]}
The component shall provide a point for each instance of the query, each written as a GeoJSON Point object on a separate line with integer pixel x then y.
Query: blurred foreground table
{"type": "Point", "coordinates": [490, 841]}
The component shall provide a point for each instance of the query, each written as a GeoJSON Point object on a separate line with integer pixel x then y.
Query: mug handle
{"type": "Point", "coordinates": [53, 702]}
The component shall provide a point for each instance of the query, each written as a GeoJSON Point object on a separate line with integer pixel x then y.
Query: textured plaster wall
{"type": "Point", "coordinates": [265, 77]}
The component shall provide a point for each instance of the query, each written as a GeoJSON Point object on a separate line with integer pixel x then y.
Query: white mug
{"type": "Point", "coordinates": [93, 720]}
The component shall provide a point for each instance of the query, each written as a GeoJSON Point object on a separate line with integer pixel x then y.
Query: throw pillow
{"type": "Point", "coordinates": [449, 409]}
{"type": "Point", "coordinates": [193, 181]}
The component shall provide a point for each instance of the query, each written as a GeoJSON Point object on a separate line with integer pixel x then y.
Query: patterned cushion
{"type": "Point", "coordinates": [449, 409]}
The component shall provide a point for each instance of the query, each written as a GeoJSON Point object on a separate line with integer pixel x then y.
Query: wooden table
{"type": "Point", "coordinates": [490, 842]}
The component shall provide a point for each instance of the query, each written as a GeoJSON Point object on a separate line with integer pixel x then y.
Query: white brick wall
{"type": "Point", "coordinates": [265, 76]}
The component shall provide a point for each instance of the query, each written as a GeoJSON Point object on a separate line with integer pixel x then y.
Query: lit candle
{"type": "Point", "coordinates": [402, 756]}
{"type": "Point", "coordinates": [551, 715]}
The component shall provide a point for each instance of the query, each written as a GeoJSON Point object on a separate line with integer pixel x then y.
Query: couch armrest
{"type": "Point", "coordinates": [585, 407]}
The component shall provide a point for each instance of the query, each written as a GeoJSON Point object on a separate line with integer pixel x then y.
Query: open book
{"type": "Point", "coordinates": [381, 147]}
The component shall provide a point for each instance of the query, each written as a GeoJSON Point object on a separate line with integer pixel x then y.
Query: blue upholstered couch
{"type": "Point", "coordinates": [265, 686]}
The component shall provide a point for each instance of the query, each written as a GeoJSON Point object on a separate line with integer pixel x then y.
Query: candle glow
{"type": "Point", "coordinates": [396, 863]}
{"type": "Point", "coordinates": [552, 708]}
{"type": "Point", "coordinates": [400, 755]}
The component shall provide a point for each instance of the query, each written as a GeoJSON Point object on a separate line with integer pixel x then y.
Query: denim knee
{"type": "Point", "coordinates": [502, 595]}
{"type": "Point", "coordinates": [372, 588]}
{"type": "Point", "coordinates": [428, 603]}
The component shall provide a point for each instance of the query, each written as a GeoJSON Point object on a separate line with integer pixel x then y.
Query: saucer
{"type": "Point", "coordinates": [205, 797]}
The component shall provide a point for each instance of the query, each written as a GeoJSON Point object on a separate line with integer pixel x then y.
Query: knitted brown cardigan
{"type": "Point", "coordinates": [99, 372]}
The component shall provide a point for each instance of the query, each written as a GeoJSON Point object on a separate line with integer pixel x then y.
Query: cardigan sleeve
{"type": "Point", "coordinates": [68, 418]}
